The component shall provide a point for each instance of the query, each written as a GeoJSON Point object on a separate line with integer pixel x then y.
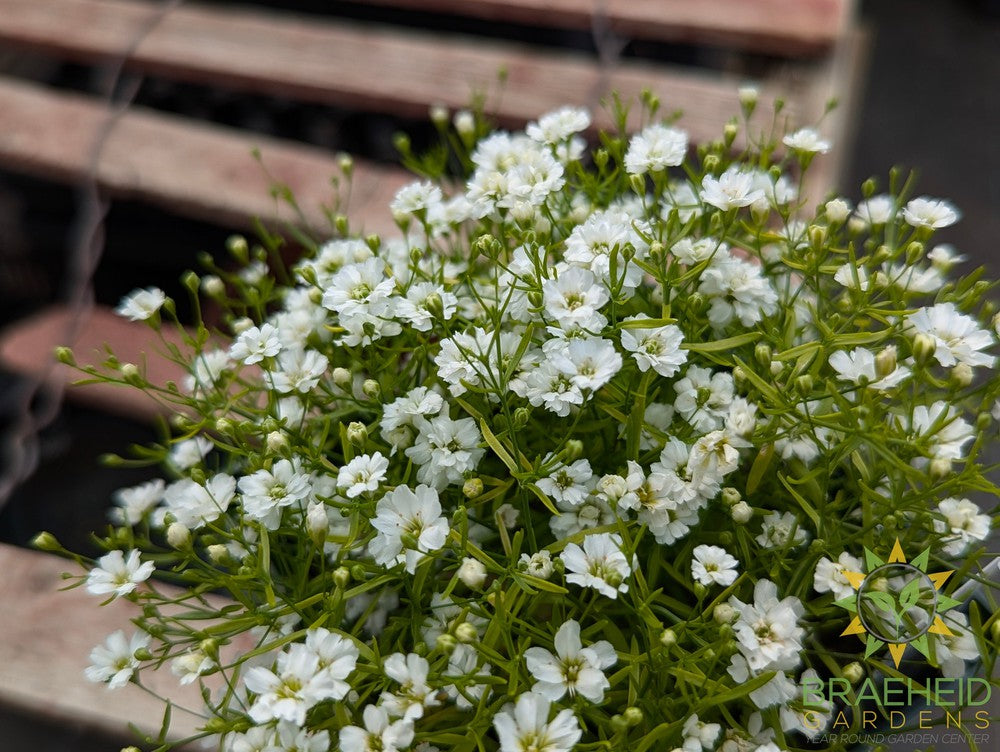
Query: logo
{"type": "Point", "coordinates": [897, 603]}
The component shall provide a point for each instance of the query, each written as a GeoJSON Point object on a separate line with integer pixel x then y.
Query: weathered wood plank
{"type": "Point", "coordinates": [28, 346]}
{"type": "Point", "coordinates": [203, 171]}
{"type": "Point", "coordinates": [45, 641]}
{"type": "Point", "coordinates": [779, 27]}
{"type": "Point", "coordinates": [371, 67]}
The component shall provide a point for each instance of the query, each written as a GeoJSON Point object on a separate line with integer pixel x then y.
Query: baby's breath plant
{"type": "Point", "coordinates": [587, 456]}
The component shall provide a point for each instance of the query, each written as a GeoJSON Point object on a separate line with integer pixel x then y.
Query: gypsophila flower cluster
{"type": "Point", "coordinates": [584, 457]}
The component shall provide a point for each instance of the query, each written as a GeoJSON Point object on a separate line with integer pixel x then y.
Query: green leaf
{"type": "Point", "coordinates": [729, 343]}
{"type": "Point", "coordinates": [497, 447]}
{"type": "Point", "coordinates": [910, 594]}
{"type": "Point", "coordinates": [806, 506]}
{"type": "Point", "coordinates": [759, 467]}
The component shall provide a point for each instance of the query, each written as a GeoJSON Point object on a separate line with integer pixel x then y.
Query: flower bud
{"type": "Point", "coordinates": [961, 375]}
{"type": "Point", "coordinates": [914, 252]}
{"type": "Point", "coordinates": [341, 377]}
{"type": "Point", "coordinates": [729, 132]}
{"type": "Point", "coordinates": [472, 573]}
{"type": "Point", "coordinates": [465, 123]}
{"type": "Point", "coordinates": [446, 642]}
{"type": "Point", "coordinates": [224, 425]}
{"type": "Point", "coordinates": [762, 352]}
{"type": "Point", "coordinates": [371, 388]}
{"type": "Point", "coordinates": [668, 638]}
{"type": "Point", "coordinates": [317, 523]}
{"type": "Point", "coordinates": [741, 512]}
{"type": "Point", "coordinates": [472, 488]}
{"type": "Point", "coordinates": [178, 535]}
{"type": "Point", "coordinates": [65, 355]}
{"type": "Point", "coordinates": [130, 372]}
{"type": "Point", "coordinates": [724, 613]}
{"type": "Point", "coordinates": [885, 361]}
{"type": "Point", "coordinates": [804, 384]}
{"type": "Point", "coordinates": [573, 450]}
{"type": "Point", "coordinates": [940, 468]}
{"type": "Point", "coordinates": [730, 496]}
{"type": "Point", "coordinates": [817, 237]}
{"type": "Point", "coordinates": [46, 541]}
{"type": "Point", "coordinates": [341, 577]}
{"type": "Point", "coordinates": [711, 163]}
{"type": "Point", "coordinates": [466, 633]}
{"type": "Point", "coordinates": [358, 572]}
{"type": "Point", "coordinates": [277, 442]}
{"type": "Point", "coordinates": [699, 590]}
{"type": "Point", "coordinates": [357, 433]}
{"type": "Point", "coordinates": [239, 248]}
{"type": "Point", "coordinates": [837, 210]}
{"type": "Point", "coordinates": [619, 724]}
{"type": "Point", "coordinates": [853, 672]}
{"type": "Point", "coordinates": [632, 715]}
{"type": "Point", "coordinates": [924, 346]}
{"type": "Point", "coordinates": [345, 162]}
{"type": "Point", "coordinates": [212, 286]}
{"type": "Point", "coordinates": [240, 325]}
{"type": "Point", "coordinates": [218, 553]}
{"type": "Point", "coordinates": [438, 114]}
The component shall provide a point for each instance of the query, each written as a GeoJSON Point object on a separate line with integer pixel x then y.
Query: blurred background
{"type": "Point", "coordinates": [925, 97]}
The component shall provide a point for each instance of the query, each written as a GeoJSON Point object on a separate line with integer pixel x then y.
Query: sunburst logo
{"type": "Point", "coordinates": [897, 603]}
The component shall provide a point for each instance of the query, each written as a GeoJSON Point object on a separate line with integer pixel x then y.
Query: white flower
{"type": "Point", "coordinates": [703, 398]}
{"type": "Point", "coordinates": [738, 289]}
{"type": "Point", "coordinates": [829, 575]}
{"type": "Point", "coordinates": [399, 416]}
{"type": "Point", "coordinates": [557, 126]}
{"type": "Point", "coordinates": [132, 504]}
{"type": "Point", "coordinates": [714, 456]}
{"type": "Point", "coordinates": [538, 564]}
{"type": "Point", "coordinates": [858, 366]}
{"type": "Point", "coordinates": [293, 738]}
{"type": "Point", "coordinates": [600, 564]}
{"type": "Point", "coordinates": [363, 474]}
{"type": "Point", "coordinates": [691, 251]}
{"type": "Point", "coordinates": [877, 210]}
{"type": "Point", "coordinates": [445, 450]}
{"type": "Point", "coordinates": [525, 727]}
{"type": "Point", "coordinates": [300, 679]}
{"type": "Point", "coordinates": [267, 492]}
{"type": "Point", "coordinates": [255, 344]}
{"type": "Point", "coordinates": [853, 277]}
{"type": "Point", "coordinates": [713, 565]}
{"type": "Point", "coordinates": [658, 348]}
{"type": "Point", "coordinates": [140, 305]}
{"type": "Point", "coordinates": [781, 530]}
{"type": "Point", "coordinates": [768, 630]}
{"type": "Point", "coordinates": [573, 668]}
{"type": "Point", "coordinates": [416, 197]}
{"type": "Point", "coordinates": [943, 257]}
{"type": "Point", "coordinates": [194, 505]}
{"type": "Point", "coordinates": [963, 524]}
{"type": "Point", "coordinates": [378, 735]}
{"type": "Point", "coordinates": [423, 302]}
{"type": "Point", "coordinates": [186, 454]}
{"type": "Point", "coordinates": [413, 513]}
{"type": "Point", "coordinates": [189, 666]}
{"type": "Point", "coordinates": [568, 483]}
{"type": "Point", "coordinates": [699, 735]}
{"type": "Point", "coordinates": [806, 140]}
{"type": "Point", "coordinates": [472, 573]}
{"type": "Point", "coordinates": [357, 287]}
{"type": "Point", "coordinates": [574, 298]}
{"type": "Point", "coordinates": [299, 370]}
{"type": "Point", "coordinates": [655, 148]}
{"type": "Point", "coordinates": [604, 233]}
{"type": "Point", "coordinates": [114, 662]}
{"type": "Point", "coordinates": [931, 213]}
{"type": "Point", "coordinates": [118, 575]}
{"type": "Point", "coordinates": [957, 337]}
{"type": "Point", "coordinates": [952, 651]}
{"type": "Point", "coordinates": [943, 427]}
{"type": "Point", "coordinates": [410, 671]}
{"type": "Point", "coordinates": [733, 189]}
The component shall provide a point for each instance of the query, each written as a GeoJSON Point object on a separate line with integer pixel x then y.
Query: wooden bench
{"type": "Point", "coordinates": [803, 51]}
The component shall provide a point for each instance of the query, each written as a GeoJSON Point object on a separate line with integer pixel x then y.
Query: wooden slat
{"type": "Point", "coordinates": [27, 347]}
{"type": "Point", "coordinates": [369, 67]}
{"type": "Point", "coordinates": [45, 641]}
{"type": "Point", "coordinates": [780, 27]}
{"type": "Point", "coordinates": [206, 172]}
